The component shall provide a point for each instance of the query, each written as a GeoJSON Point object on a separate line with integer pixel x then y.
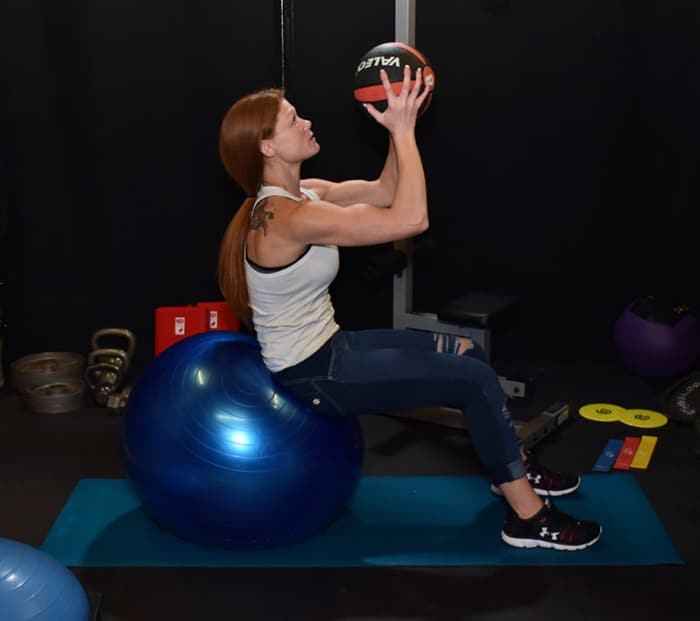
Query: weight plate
{"type": "Point", "coordinates": [55, 397]}
{"type": "Point", "coordinates": [646, 419]}
{"type": "Point", "coordinates": [683, 400]}
{"type": "Point", "coordinates": [601, 412]}
{"type": "Point", "coordinates": [45, 368]}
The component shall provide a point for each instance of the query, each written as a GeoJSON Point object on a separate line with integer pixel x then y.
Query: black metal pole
{"type": "Point", "coordinates": [286, 15]}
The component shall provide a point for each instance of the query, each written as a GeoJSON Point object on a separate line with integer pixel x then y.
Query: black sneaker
{"type": "Point", "coordinates": [546, 482]}
{"type": "Point", "coordinates": [550, 528]}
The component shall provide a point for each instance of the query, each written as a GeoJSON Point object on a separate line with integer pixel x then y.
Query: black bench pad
{"type": "Point", "coordinates": [480, 310]}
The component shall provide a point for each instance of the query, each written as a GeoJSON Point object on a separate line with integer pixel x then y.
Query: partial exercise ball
{"type": "Point", "coordinates": [657, 339]}
{"type": "Point", "coordinates": [34, 585]}
{"type": "Point", "coordinates": [221, 455]}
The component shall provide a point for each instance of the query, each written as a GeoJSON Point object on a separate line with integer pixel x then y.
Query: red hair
{"type": "Point", "coordinates": [250, 120]}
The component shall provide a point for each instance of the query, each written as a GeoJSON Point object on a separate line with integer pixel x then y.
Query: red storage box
{"type": "Point", "coordinates": [220, 316]}
{"type": "Point", "coordinates": [174, 323]}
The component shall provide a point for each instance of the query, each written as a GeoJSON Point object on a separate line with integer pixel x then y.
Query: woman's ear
{"type": "Point", "coordinates": [266, 148]}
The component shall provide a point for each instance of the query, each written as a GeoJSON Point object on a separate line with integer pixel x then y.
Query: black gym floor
{"type": "Point", "coordinates": [43, 456]}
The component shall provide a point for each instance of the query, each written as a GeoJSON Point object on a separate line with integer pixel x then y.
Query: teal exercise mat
{"type": "Point", "coordinates": [391, 521]}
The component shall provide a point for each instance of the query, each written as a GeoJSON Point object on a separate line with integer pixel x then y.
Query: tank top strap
{"type": "Point", "coordinates": [266, 191]}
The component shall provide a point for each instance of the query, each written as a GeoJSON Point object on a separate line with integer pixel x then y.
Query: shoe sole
{"type": "Point", "coordinates": [543, 492]}
{"type": "Point", "coordinates": [538, 543]}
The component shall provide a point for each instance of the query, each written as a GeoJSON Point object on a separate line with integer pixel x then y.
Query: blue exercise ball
{"type": "Point", "coordinates": [221, 455]}
{"type": "Point", "coordinates": [35, 586]}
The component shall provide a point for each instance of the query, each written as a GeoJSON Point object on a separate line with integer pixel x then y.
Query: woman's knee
{"type": "Point", "coordinates": [458, 345]}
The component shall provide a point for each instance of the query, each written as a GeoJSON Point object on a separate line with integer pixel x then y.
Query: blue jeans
{"type": "Point", "coordinates": [377, 371]}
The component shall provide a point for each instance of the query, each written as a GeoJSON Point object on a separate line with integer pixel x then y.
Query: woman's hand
{"type": "Point", "coordinates": [402, 109]}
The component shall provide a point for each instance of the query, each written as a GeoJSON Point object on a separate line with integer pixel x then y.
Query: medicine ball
{"type": "Point", "coordinates": [392, 57]}
{"type": "Point", "coordinates": [657, 338]}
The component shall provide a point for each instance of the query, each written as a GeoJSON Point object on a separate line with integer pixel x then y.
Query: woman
{"type": "Point", "coordinates": [279, 256]}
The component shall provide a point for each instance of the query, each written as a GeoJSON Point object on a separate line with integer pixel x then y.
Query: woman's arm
{"type": "Point", "coordinates": [362, 223]}
{"type": "Point", "coordinates": [379, 192]}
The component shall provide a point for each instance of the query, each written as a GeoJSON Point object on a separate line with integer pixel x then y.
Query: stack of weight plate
{"type": "Point", "coordinates": [50, 382]}
{"type": "Point", "coordinates": [611, 412]}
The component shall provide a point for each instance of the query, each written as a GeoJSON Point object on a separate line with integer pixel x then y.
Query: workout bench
{"type": "Point", "coordinates": [474, 315]}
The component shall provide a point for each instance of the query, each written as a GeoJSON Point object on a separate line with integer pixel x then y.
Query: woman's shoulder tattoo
{"type": "Point", "coordinates": [261, 215]}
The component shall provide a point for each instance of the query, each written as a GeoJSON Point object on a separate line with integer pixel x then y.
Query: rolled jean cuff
{"type": "Point", "coordinates": [509, 472]}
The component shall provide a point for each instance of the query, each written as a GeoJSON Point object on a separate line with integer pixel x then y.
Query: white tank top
{"type": "Point", "coordinates": [292, 311]}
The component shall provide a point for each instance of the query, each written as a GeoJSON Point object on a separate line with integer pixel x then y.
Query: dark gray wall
{"type": "Point", "coordinates": [118, 200]}
{"type": "Point", "coordinates": [559, 149]}
{"type": "Point", "coordinates": [561, 161]}
{"type": "Point", "coordinates": [561, 152]}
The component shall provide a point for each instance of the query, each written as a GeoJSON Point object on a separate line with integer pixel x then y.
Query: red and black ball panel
{"type": "Point", "coordinates": [392, 57]}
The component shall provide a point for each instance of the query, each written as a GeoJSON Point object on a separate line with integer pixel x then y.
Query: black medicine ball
{"type": "Point", "coordinates": [392, 57]}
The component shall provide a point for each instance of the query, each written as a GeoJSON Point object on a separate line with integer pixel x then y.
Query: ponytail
{"type": "Point", "coordinates": [232, 280]}
{"type": "Point", "coordinates": [250, 120]}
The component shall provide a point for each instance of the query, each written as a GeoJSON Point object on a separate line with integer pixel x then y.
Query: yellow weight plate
{"type": "Point", "coordinates": [601, 412]}
{"type": "Point", "coordinates": [646, 419]}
